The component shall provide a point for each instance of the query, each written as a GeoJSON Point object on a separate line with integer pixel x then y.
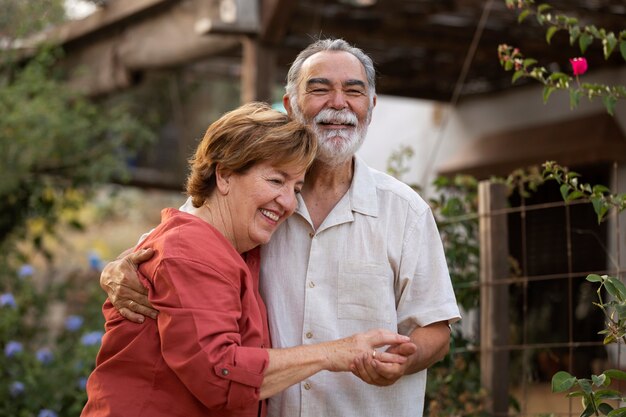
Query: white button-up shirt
{"type": "Point", "coordinates": [375, 262]}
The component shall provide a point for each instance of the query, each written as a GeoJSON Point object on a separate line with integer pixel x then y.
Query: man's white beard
{"type": "Point", "coordinates": [335, 146]}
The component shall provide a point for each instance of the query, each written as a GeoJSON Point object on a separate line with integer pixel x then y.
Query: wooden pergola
{"type": "Point", "coordinates": [419, 46]}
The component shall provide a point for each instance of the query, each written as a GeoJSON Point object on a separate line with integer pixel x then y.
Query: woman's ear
{"type": "Point", "coordinates": [222, 179]}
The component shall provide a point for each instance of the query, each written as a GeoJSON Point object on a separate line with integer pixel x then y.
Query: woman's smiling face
{"type": "Point", "coordinates": [260, 200]}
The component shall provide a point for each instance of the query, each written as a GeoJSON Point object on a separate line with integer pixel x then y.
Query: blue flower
{"type": "Point", "coordinates": [13, 348]}
{"type": "Point", "coordinates": [7, 300]}
{"type": "Point", "coordinates": [82, 383]}
{"type": "Point", "coordinates": [45, 356]}
{"type": "Point", "coordinates": [73, 323]}
{"type": "Point", "coordinates": [95, 262]}
{"type": "Point", "coordinates": [26, 270]}
{"type": "Point", "coordinates": [44, 412]}
{"type": "Point", "coordinates": [91, 338]}
{"type": "Point", "coordinates": [16, 388]}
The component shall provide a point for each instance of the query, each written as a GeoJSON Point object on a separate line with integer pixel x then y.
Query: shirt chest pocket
{"type": "Point", "coordinates": [364, 292]}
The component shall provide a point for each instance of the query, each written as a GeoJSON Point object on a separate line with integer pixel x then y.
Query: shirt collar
{"type": "Point", "coordinates": [363, 196]}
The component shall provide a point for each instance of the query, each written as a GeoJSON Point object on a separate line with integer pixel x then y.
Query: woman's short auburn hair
{"type": "Point", "coordinates": [251, 134]}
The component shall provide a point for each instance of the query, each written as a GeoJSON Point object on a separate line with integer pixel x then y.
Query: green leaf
{"type": "Point", "coordinates": [543, 7]}
{"type": "Point", "coordinates": [612, 290]}
{"type": "Point", "coordinates": [574, 195]}
{"type": "Point", "coordinates": [618, 412]}
{"type": "Point", "coordinates": [585, 384]}
{"type": "Point", "coordinates": [550, 33]}
{"type": "Point", "coordinates": [615, 374]}
{"type": "Point", "coordinates": [599, 188]}
{"type": "Point", "coordinates": [608, 45]}
{"type": "Point", "coordinates": [622, 49]}
{"type": "Point", "coordinates": [547, 91]}
{"type": "Point", "coordinates": [609, 103]}
{"type": "Point", "coordinates": [605, 408]}
{"type": "Point", "coordinates": [574, 33]}
{"type": "Point", "coordinates": [608, 394]}
{"type": "Point", "coordinates": [598, 380]}
{"type": "Point", "coordinates": [565, 190]}
{"type": "Point", "coordinates": [584, 41]}
{"type": "Point", "coordinates": [594, 278]}
{"type": "Point", "coordinates": [523, 15]}
{"type": "Point", "coordinates": [562, 381]}
{"type": "Point", "coordinates": [517, 75]}
{"type": "Point", "coordinates": [528, 62]}
{"type": "Point", "coordinates": [619, 285]}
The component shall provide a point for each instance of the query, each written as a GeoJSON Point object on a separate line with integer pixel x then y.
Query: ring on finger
{"type": "Point", "coordinates": [130, 304]}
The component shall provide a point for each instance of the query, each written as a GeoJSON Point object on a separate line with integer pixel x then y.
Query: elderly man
{"type": "Point", "coordinates": [361, 251]}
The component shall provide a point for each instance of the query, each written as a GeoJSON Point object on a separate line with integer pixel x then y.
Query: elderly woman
{"type": "Point", "coordinates": [208, 353]}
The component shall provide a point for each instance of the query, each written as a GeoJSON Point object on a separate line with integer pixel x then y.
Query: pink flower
{"type": "Point", "coordinates": [579, 65]}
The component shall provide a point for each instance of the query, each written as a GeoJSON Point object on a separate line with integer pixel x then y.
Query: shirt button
{"type": "Point", "coordinates": [311, 284]}
{"type": "Point", "coordinates": [307, 386]}
{"type": "Point", "coordinates": [309, 335]}
{"type": "Point", "coordinates": [225, 372]}
{"type": "Point", "coordinates": [311, 234]}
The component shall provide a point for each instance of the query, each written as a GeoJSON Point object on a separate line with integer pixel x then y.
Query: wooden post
{"type": "Point", "coordinates": [257, 71]}
{"type": "Point", "coordinates": [494, 299]}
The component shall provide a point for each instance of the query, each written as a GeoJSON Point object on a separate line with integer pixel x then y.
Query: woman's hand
{"type": "Point", "coordinates": [119, 280]}
{"type": "Point", "coordinates": [342, 354]}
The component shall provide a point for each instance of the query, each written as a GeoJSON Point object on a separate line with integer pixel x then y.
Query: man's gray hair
{"type": "Point", "coordinates": [322, 45]}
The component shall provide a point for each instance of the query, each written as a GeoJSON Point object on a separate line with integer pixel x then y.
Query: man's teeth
{"type": "Point", "coordinates": [270, 214]}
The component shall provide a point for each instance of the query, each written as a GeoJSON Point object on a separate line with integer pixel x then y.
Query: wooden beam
{"type": "Point", "coordinates": [494, 299]}
{"type": "Point", "coordinates": [113, 12]}
{"type": "Point", "coordinates": [167, 39]}
{"type": "Point", "coordinates": [275, 17]}
{"type": "Point", "coordinates": [257, 71]}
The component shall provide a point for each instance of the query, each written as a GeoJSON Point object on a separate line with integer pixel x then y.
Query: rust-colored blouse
{"type": "Point", "coordinates": [205, 354]}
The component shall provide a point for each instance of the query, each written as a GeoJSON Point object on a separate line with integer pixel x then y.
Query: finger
{"type": "Point", "coordinates": [134, 317]}
{"type": "Point", "coordinates": [385, 337]}
{"type": "Point", "coordinates": [390, 357]}
{"type": "Point", "coordinates": [404, 349]}
{"type": "Point", "coordinates": [141, 256]}
{"type": "Point", "coordinates": [387, 373]}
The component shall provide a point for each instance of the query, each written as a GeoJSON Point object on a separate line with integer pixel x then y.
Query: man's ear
{"type": "Point", "coordinates": [287, 105]}
{"type": "Point", "coordinates": [222, 179]}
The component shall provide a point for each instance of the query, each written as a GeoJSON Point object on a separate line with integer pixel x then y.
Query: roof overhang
{"type": "Point", "coordinates": [575, 142]}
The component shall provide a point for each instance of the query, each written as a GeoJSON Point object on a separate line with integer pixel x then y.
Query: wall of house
{"type": "Point", "coordinates": [435, 133]}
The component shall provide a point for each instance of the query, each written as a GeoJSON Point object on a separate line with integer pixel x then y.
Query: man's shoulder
{"type": "Point", "coordinates": [389, 187]}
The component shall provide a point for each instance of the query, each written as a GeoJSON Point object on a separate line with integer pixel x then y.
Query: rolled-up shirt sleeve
{"type": "Point", "coordinates": [202, 315]}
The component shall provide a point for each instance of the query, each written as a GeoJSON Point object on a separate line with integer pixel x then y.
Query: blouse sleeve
{"type": "Point", "coordinates": [199, 315]}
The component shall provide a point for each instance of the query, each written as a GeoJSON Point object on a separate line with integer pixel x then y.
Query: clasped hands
{"type": "Point", "coordinates": [127, 294]}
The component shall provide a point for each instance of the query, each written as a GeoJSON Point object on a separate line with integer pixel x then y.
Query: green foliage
{"type": "Point", "coordinates": [456, 208]}
{"type": "Point", "coordinates": [512, 59]}
{"type": "Point", "coordinates": [44, 365]}
{"type": "Point", "coordinates": [55, 147]}
{"type": "Point", "coordinates": [20, 18]}
{"type": "Point", "coordinates": [453, 385]}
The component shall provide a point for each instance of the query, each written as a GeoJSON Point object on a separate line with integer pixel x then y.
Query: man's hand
{"type": "Point", "coordinates": [376, 372]}
{"type": "Point", "coordinates": [119, 280]}
{"type": "Point", "coordinates": [429, 345]}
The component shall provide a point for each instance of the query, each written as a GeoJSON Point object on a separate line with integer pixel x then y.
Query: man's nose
{"type": "Point", "coordinates": [338, 100]}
